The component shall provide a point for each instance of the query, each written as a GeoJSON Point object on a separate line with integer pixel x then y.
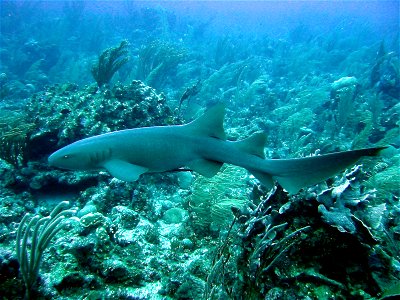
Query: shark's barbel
{"type": "Point", "coordinates": [202, 146]}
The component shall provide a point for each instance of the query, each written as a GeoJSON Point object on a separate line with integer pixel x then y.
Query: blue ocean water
{"type": "Point", "coordinates": [314, 76]}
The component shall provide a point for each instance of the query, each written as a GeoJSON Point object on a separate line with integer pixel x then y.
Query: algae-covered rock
{"type": "Point", "coordinates": [115, 271]}
{"type": "Point", "coordinates": [76, 280]}
{"type": "Point", "coordinates": [185, 180]}
{"type": "Point", "coordinates": [93, 220]}
{"type": "Point", "coordinates": [175, 215]}
{"type": "Point", "coordinates": [191, 288]}
{"type": "Point", "coordinates": [125, 217]}
{"type": "Point", "coordinates": [89, 208]}
{"type": "Point", "coordinates": [344, 82]}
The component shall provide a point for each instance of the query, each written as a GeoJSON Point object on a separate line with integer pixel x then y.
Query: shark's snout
{"type": "Point", "coordinates": [62, 159]}
{"type": "Point", "coordinates": [51, 160]}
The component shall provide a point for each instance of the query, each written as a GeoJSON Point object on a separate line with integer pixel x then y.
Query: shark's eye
{"type": "Point", "coordinates": [66, 156]}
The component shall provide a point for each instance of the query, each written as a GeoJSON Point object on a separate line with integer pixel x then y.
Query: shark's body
{"type": "Point", "coordinates": [202, 146]}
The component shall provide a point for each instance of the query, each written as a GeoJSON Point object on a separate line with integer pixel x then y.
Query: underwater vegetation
{"type": "Point", "coordinates": [157, 61]}
{"type": "Point", "coordinates": [75, 73]}
{"type": "Point", "coordinates": [39, 232]}
{"type": "Point", "coordinates": [213, 198]}
{"type": "Point", "coordinates": [14, 137]}
{"type": "Point", "coordinates": [110, 60]}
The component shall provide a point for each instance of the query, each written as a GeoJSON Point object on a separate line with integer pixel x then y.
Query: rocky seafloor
{"type": "Point", "coordinates": [181, 236]}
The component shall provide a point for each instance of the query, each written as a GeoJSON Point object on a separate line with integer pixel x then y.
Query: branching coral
{"type": "Point", "coordinates": [109, 62]}
{"type": "Point", "coordinates": [231, 80]}
{"type": "Point", "coordinates": [39, 231]}
{"type": "Point", "coordinates": [156, 60]}
{"type": "Point", "coordinates": [254, 245]}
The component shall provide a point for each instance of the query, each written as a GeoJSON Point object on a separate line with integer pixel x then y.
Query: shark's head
{"type": "Point", "coordinates": [71, 157]}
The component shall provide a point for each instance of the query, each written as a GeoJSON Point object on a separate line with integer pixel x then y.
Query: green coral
{"type": "Point", "coordinates": [302, 118]}
{"type": "Point", "coordinates": [296, 134]}
{"type": "Point", "coordinates": [14, 136]}
{"type": "Point", "coordinates": [213, 198]}
{"type": "Point", "coordinates": [109, 62]}
{"type": "Point", "coordinates": [386, 182]}
{"type": "Point", "coordinates": [362, 138]}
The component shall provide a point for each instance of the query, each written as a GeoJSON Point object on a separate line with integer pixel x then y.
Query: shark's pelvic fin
{"type": "Point", "coordinates": [211, 123]}
{"type": "Point", "coordinates": [207, 168]}
{"type": "Point", "coordinates": [123, 170]}
{"type": "Point", "coordinates": [255, 145]}
{"type": "Point", "coordinates": [265, 178]}
{"type": "Point", "coordinates": [294, 174]}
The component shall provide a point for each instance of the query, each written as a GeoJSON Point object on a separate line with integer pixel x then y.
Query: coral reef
{"type": "Point", "coordinates": [311, 87]}
{"type": "Point", "coordinates": [262, 254]}
{"type": "Point", "coordinates": [65, 114]}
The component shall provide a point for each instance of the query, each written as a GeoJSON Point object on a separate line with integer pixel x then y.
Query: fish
{"type": "Point", "coordinates": [201, 146]}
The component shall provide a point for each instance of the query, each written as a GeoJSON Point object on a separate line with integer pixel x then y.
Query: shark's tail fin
{"type": "Point", "coordinates": [294, 174]}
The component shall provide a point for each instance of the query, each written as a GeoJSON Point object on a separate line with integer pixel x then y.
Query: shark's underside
{"type": "Point", "coordinates": [202, 146]}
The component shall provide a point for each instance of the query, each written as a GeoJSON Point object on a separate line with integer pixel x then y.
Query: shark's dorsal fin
{"type": "Point", "coordinates": [254, 144]}
{"type": "Point", "coordinates": [211, 123]}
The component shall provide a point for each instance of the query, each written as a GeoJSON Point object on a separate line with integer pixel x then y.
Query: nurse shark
{"type": "Point", "coordinates": [202, 146]}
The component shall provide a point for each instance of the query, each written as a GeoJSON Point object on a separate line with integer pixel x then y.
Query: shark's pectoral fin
{"type": "Point", "coordinates": [207, 168]}
{"type": "Point", "coordinates": [264, 178]}
{"type": "Point", "coordinates": [123, 170]}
